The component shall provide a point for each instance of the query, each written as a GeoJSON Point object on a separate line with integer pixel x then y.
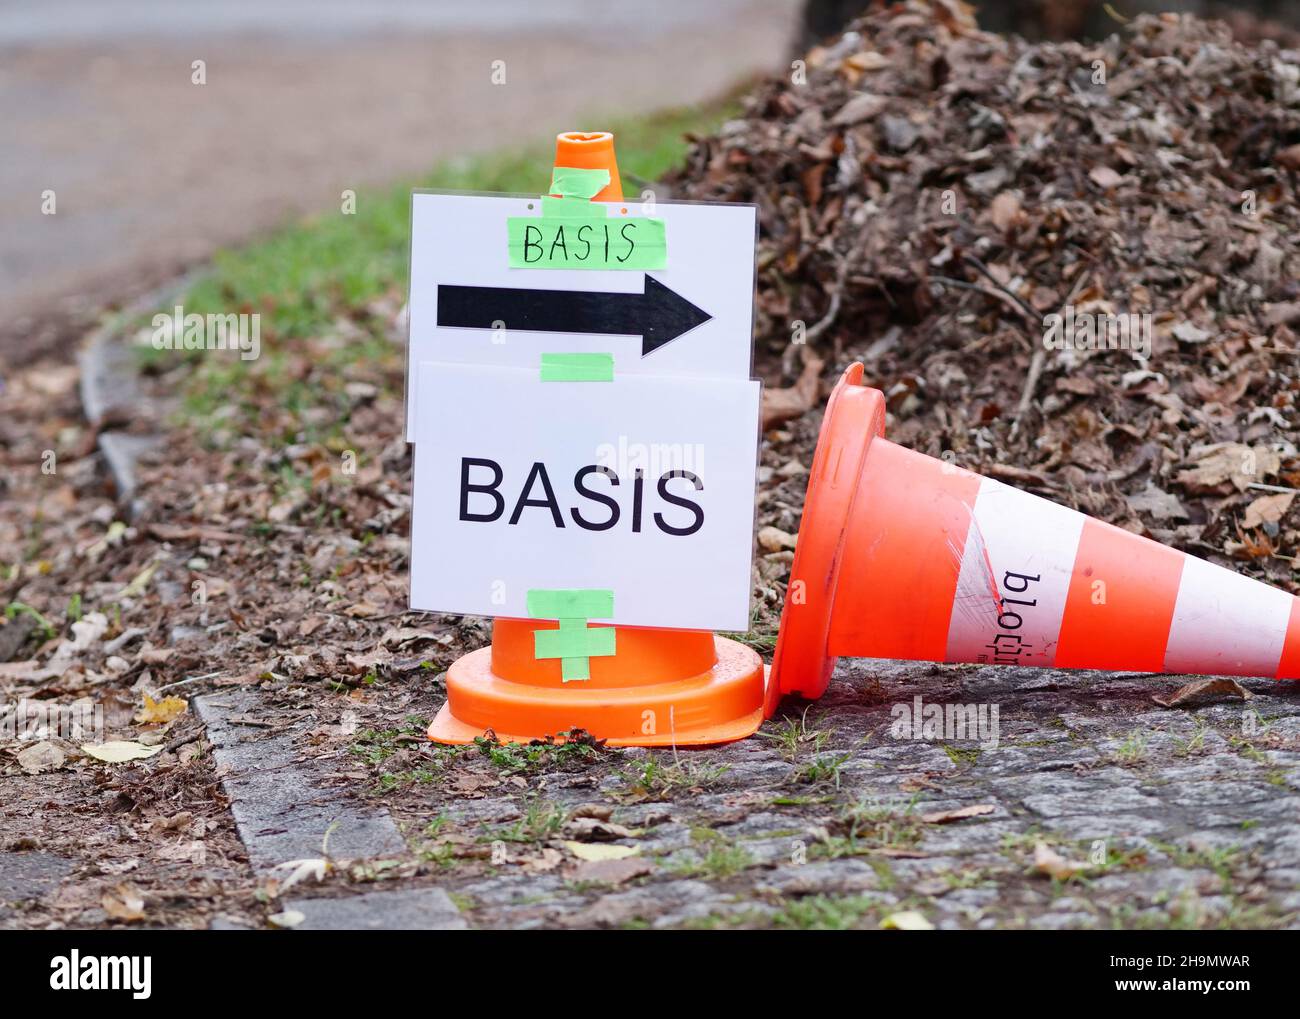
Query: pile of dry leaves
{"type": "Point", "coordinates": [928, 193]}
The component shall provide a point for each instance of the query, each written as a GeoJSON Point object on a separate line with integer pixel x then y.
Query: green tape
{"type": "Point", "coordinates": [577, 368]}
{"type": "Point", "coordinates": [582, 241]}
{"type": "Point", "coordinates": [574, 668]}
{"type": "Point", "coordinates": [587, 603]}
{"type": "Point", "coordinates": [574, 643]}
{"type": "Point", "coordinates": [574, 639]}
{"type": "Point", "coordinates": [571, 208]}
{"type": "Point", "coordinates": [574, 182]}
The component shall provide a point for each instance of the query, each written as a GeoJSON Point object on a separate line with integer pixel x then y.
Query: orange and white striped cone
{"type": "Point", "coordinates": [904, 556]}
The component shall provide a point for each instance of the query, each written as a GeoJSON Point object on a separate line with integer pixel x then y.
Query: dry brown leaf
{"type": "Point", "coordinates": [1053, 864]}
{"type": "Point", "coordinates": [124, 903]}
{"type": "Point", "coordinates": [1267, 509]}
{"type": "Point", "coordinates": [961, 813]}
{"type": "Point", "coordinates": [1202, 689]}
{"type": "Point", "coordinates": [1213, 466]}
{"type": "Point", "coordinates": [41, 757]}
{"type": "Point", "coordinates": [794, 401]}
{"type": "Point", "coordinates": [773, 539]}
{"type": "Point", "coordinates": [593, 829]}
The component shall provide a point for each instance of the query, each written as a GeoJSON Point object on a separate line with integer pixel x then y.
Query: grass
{"type": "Point", "coordinates": [793, 735]}
{"type": "Point", "coordinates": [652, 779]}
{"type": "Point", "coordinates": [1133, 750]}
{"type": "Point", "coordinates": [822, 770]}
{"type": "Point", "coordinates": [866, 827]}
{"type": "Point", "coordinates": [569, 749]}
{"type": "Point", "coordinates": [825, 912]}
{"type": "Point", "coordinates": [541, 820]}
{"type": "Point", "coordinates": [719, 858]}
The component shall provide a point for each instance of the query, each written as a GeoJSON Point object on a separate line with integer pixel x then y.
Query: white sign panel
{"type": "Point", "coordinates": [694, 317]}
{"type": "Point", "coordinates": [643, 486]}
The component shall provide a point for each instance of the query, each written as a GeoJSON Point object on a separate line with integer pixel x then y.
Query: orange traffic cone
{"type": "Point", "coordinates": [901, 555]}
{"type": "Point", "coordinates": [659, 688]}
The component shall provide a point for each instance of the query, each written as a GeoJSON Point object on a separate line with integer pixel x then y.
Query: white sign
{"type": "Point", "coordinates": [643, 486]}
{"type": "Point", "coordinates": [701, 304]}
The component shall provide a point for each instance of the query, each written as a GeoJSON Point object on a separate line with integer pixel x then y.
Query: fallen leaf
{"type": "Point", "coordinates": [41, 757]}
{"type": "Point", "coordinates": [862, 106]}
{"type": "Point", "coordinates": [1267, 509]}
{"type": "Point", "coordinates": [773, 539]}
{"type": "Point", "coordinates": [1104, 177]}
{"type": "Point", "coordinates": [120, 751]}
{"type": "Point", "coordinates": [138, 583]}
{"type": "Point", "coordinates": [1160, 505]}
{"type": "Point", "coordinates": [1228, 461]}
{"type": "Point", "coordinates": [1189, 332]}
{"type": "Point", "coordinates": [600, 811]}
{"type": "Point", "coordinates": [593, 829]}
{"type": "Point", "coordinates": [124, 903]}
{"type": "Point", "coordinates": [612, 872]}
{"type": "Point", "coordinates": [792, 402]}
{"type": "Point", "coordinates": [1005, 210]}
{"type": "Point", "coordinates": [85, 632]}
{"type": "Point", "coordinates": [945, 816]}
{"type": "Point", "coordinates": [548, 860]}
{"type": "Point", "coordinates": [289, 918]}
{"type": "Point", "coordinates": [907, 920]}
{"type": "Point", "coordinates": [300, 870]}
{"type": "Point", "coordinates": [1053, 864]}
{"type": "Point", "coordinates": [594, 852]}
{"type": "Point", "coordinates": [1200, 689]}
{"type": "Point", "coordinates": [161, 712]}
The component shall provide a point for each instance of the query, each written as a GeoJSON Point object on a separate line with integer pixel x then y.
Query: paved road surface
{"type": "Point", "coordinates": [302, 100]}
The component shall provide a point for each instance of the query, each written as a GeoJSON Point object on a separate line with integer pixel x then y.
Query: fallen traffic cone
{"type": "Point", "coordinates": [658, 688]}
{"type": "Point", "coordinates": [904, 556]}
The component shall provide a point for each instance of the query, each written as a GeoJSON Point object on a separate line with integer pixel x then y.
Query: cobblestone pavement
{"type": "Point", "coordinates": [1185, 817]}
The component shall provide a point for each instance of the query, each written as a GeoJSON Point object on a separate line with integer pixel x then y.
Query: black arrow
{"type": "Point", "coordinates": [658, 315]}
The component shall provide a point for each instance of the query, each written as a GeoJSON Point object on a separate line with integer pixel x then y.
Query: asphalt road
{"type": "Point", "coordinates": [152, 172]}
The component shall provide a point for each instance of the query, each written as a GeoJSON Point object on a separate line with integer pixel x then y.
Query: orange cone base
{"type": "Point", "coordinates": [718, 706]}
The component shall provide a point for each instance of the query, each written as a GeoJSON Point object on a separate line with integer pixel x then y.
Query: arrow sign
{"type": "Point", "coordinates": [658, 315]}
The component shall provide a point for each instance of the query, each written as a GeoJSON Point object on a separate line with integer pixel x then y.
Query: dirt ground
{"type": "Point", "coordinates": [1089, 805]}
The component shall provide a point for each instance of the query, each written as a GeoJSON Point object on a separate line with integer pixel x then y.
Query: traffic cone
{"type": "Point", "coordinates": [904, 556]}
{"type": "Point", "coordinates": [660, 687]}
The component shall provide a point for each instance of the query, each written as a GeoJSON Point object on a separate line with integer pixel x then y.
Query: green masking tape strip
{"type": "Point", "coordinates": [574, 182]}
{"type": "Point", "coordinates": [571, 208]}
{"type": "Point", "coordinates": [574, 668]}
{"type": "Point", "coordinates": [577, 368]}
{"type": "Point", "coordinates": [585, 603]}
{"type": "Point", "coordinates": [584, 242]}
{"type": "Point", "coordinates": [574, 639]}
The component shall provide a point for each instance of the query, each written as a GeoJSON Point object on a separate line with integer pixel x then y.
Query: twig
{"type": "Point", "coordinates": [1029, 313]}
{"type": "Point", "coordinates": [1001, 295]}
{"type": "Point", "coordinates": [1272, 488]}
{"type": "Point", "coordinates": [188, 679]}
